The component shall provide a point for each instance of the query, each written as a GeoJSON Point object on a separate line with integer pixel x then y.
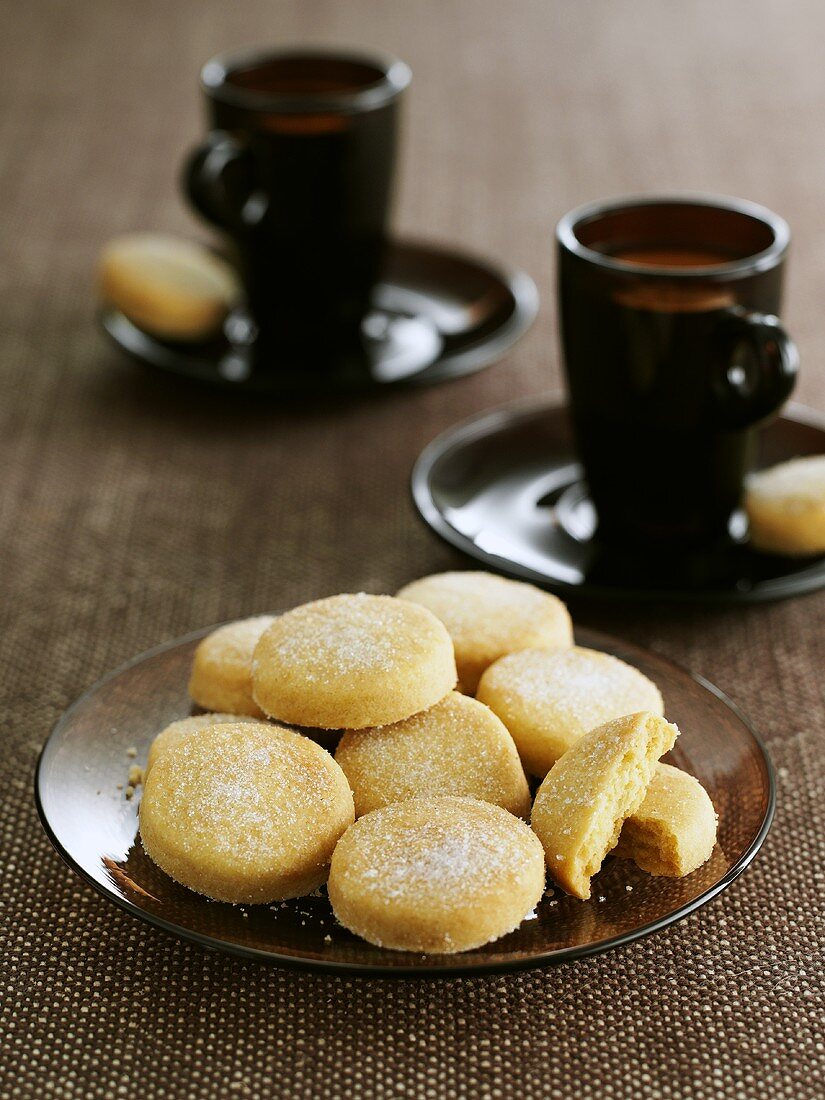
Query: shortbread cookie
{"type": "Point", "coordinates": [548, 700]}
{"type": "Point", "coordinates": [173, 288]}
{"type": "Point", "coordinates": [457, 747]}
{"type": "Point", "coordinates": [436, 875]}
{"type": "Point", "coordinates": [489, 616]}
{"type": "Point", "coordinates": [674, 830]}
{"type": "Point", "coordinates": [176, 731]}
{"type": "Point", "coordinates": [245, 813]}
{"type": "Point", "coordinates": [786, 507]}
{"type": "Point", "coordinates": [590, 791]}
{"type": "Point", "coordinates": [222, 670]}
{"type": "Point", "coordinates": [352, 661]}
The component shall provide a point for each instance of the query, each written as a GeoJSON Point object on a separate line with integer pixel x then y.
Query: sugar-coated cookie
{"type": "Point", "coordinates": [590, 791]}
{"type": "Point", "coordinates": [674, 830]}
{"type": "Point", "coordinates": [173, 288]}
{"type": "Point", "coordinates": [548, 700]}
{"type": "Point", "coordinates": [221, 677]}
{"type": "Point", "coordinates": [245, 812]}
{"type": "Point", "coordinates": [176, 731]}
{"type": "Point", "coordinates": [786, 507]}
{"type": "Point", "coordinates": [457, 747]}
{"type": "Point", "coordinates": [436, 875]}
{"type": "Point", "coordinates": [351, 661]}
{"type": "Point", "coordinates": [489, 616]}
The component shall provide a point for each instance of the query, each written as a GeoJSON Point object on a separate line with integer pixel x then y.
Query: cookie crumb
{"type": "Point", "coordinates": [327, 938]}
{"type": "Point", "coordinates": [629, 889]}
{"type": "Point", "coordinates": [131, 752]}
{"type": "Point", "coordinates": [602, 897]}
{"type": "Point", "coordinates": [129, 793]}
{"type": "Point", "coordinates": [135, 775]}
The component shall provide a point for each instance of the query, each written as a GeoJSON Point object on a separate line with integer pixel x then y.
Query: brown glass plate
{"type": "Point", "coordinates": [438, 314]}
{"type": "Point", "coordinates": [506, 488]}
{"type": "Point", "coordinates": [94, 828]}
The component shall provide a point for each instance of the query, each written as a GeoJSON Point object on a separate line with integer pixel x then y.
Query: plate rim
{"type": "Point", "coordinates": [474, 355]}
{"type": "Point", "coordinates": [448, 970]}
{"type": "Point", "coordinates": [479, 424]}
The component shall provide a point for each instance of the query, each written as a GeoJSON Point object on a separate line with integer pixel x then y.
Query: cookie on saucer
{"type": "Point", "coordinates": [457, 747]}
{"type": "Point", "coordinates": [245, 812]}
{"type": "Point", "coordinates": [589, 792]}
{"type": "Point", "coordinates": [352, 661]}
{"type": "Point", "coordinates": [436, 875]}
{"type": "Point", "coordinates": [786, 507]}
{"type": "Point", "coordinates": [221, 677]}
{"type": "Point", "coordinates": [175, 289]}
{"type": "Point", "coordinates": [674, 830]}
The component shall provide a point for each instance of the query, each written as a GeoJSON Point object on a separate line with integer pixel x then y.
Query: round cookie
{"type": "Point", "coordinates": [351, 661]}
{"type": "Point", "coordinates": [245, 813]}
{"type": "Point", "coordinates": [176, 731]}
{"type": "Point", "coordinates": [457, 747]}
{"type": "Point", "coordinates": [436, 875]}
{"type": "Point", "coordinates": [548, 700]}
{"type": "Point", "coordinates": [786, 507]}
{"type": "Point", "coordinates": [221, 677]}
{"type": "Point", "coordinates": [489, 616]}
{"type": "Point", "coordinates": [174, 288]}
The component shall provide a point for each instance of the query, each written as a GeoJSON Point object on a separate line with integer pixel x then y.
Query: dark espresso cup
{"type": "Point", "coordinates": [297, 169]}
{"type": "Point", "coordinates": [673, 355]}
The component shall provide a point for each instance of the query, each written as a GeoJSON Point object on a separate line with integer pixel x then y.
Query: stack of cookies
{"type": "Point", "coordinates": [442, 701]}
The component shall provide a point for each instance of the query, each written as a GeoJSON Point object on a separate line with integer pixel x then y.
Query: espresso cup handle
{"type": "Point", "coordinates": [759, 368]}
{"type": "Point", "coordinates": [217, 177]}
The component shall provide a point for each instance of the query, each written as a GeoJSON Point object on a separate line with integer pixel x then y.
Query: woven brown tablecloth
{"type": "Point", "coordinates": [135, 510]}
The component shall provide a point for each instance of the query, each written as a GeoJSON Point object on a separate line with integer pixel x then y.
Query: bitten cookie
{"type": "Point", "coordinates": [674, 830]}
{"type": "Point", "coordinates": [786, 507]}
{"type": "Point", "coordinates": [436, 875]}
{"type": "Point", "coordinates": [489, 616]}
{"type": "Point", "coordinates": [351, 661]}
{"type": "Point", "coordinates": [176, 731]}
{"type": "Point", "coordinates": [590, 791]}
{"type": "Point", "coordinates": [548, 700]}
{"type": "Point", "coordinates": [173, 288]}
{"type": "Point", "coordinates": [457, 747]}
{"type": "Point", "coordinates": [245, 813]}
{"type": "Point", "coordinates": [221, 677]}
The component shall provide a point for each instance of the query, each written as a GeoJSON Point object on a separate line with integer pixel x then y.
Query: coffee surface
{"type": "Point", "coordinates": [676, 256]}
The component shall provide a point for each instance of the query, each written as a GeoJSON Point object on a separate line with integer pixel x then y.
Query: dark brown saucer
{"type": "Point", "coordinates": [506, 488]}
{"type": "Point", "coordinates": [438, 315]}
{"type": "Point", "coordinates": [94, 828]}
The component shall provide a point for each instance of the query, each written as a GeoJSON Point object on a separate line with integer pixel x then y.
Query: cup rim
{"type": "Point", "coordinates": [731, 269]}
{"type": "Point", "coordinates": [394, 78]}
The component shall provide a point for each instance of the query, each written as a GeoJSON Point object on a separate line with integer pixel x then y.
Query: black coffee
{"type": "Point", "coordinates": [637, 377]}
{"type": "Point", "coordinates": [666, 372]}
{"type": "Point", "coordinates": [304, 194]}
{"type": "Point", "coordinates": [680, 256]}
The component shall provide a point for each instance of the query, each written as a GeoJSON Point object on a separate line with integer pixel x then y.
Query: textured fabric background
{"type": "Point", "coordinates": [134, 510]}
